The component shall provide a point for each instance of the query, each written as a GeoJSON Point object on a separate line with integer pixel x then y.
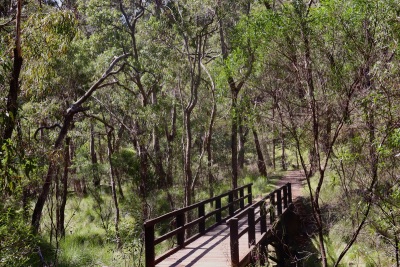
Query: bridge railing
{"type": "Point", "coordinates": [270, 206]}
{"type": "Point", "coordinates": [235, 202]}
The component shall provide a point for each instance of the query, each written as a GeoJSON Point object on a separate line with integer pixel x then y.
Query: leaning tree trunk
{"type": "Point", "coordinates": [12, 97]}
{"type": "Point", "coordinates": [75, 108]}
{"type": "Point", "coordinates": [260, 158]}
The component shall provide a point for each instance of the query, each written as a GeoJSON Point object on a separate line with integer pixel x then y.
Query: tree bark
{"type": "Point", "coordinates": [61, 220]}
{"type": "Point", "coordinates": [260, 158]}
{"type": "Point", "coordinates": [93, 156]}
{"type": "Point", "coordinates": [12, 97]}
{"type": "Point", "coordinates": [113, 188]}
{"type": "Point", "coordinates": [170, 147]}
{"type": "Point", "coordinates": [242, 140]}
{"type": "Point", "coordinates": [234, 138]}
{"type": "Point", "coordinates": [159, 168]}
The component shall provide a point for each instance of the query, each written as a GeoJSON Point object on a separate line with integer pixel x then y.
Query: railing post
{"type": "Point", "coordinates": [241, 194]}
{"type": "Point", "coordinates": [250, 194]}
{"type": "Point", "coordinates": [218, 216]}
{"type": "Point", "coordinates": [234, 240]}
{"type": "Point", "coordinates": [202, 223]}
{"type": "Point", "coordinates": [252, 226]}
{"type": "Point", "coordinates": [285, 199]}
{"type": "Point", "coordinates": [230, 203]}
{"type": "Point", "coordinates": [279, 201]}
{"type": "Point", "coordinates": [289, 189]}
{"type": "Point", "coordinates": [272, 207]}
{"type": "Point", "coordinates": [180, 222]}
{"type": "Point", "coordinates": [149, 245]}
{"type": "Point", "coordinates": [263, 216]}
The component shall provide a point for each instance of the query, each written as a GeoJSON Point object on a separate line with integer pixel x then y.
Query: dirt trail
{"type": "Point", "coordinates": [296, 178]}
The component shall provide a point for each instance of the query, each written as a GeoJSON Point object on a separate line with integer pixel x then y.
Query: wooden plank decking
{"type": "Point", "coordinates": [211, 249]}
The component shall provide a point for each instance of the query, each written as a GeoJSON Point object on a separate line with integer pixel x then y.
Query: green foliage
{"type": "Point", "coordinates": [17, 244]}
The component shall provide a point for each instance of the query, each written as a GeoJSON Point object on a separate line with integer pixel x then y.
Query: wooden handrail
{"type": "Point", "coordinates": [200, 221]}
{"type": "Point", "coordinates": [252, 221]}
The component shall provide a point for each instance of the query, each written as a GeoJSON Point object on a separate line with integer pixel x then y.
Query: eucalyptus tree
{"type": "Point", "coordinates": [240, 52]}
{"type": "Point", "coordinates": [61, 32]}
{"type": "Point", "coordinates": [321, 59]}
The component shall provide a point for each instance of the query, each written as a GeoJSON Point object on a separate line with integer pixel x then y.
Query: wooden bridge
{"type": "Point", "coordinates": [227, 230]}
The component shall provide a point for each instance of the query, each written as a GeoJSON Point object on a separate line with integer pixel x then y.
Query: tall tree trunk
{"type": "Point", "coordinates": [61, 220]}
{"type": "Point", "coordinates": [170, 147]}
{"type": "Point", "coordinates": [313, 105]}
{"type": "Point", "coordinates": [283, 156]}
{"type": "Point", "coordinates": [260, 158]}
{"type": "Point", "coordinates": [113, 188]}
{"type": "Point", "coordinates": [234, 138]}
{"type": "Point", "coordinates": [93, 156]}
{"type": "Point", "coordinates": [242, 140]}
{"type": "Point", "coordinates": [273, 139]}
{"type": "Point", "coordinates": [12, 97]}
{"type": "Point", "coordinates": [159, 168]}
{"type": "Point", "coordinates": [188, 159]}
{"type": "Point", "coordinates": [144, 175]}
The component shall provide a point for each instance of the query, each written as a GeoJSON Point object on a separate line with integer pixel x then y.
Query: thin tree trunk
{"type": "Point", "coordinates": [260, 158]}
{"type": "Point", "coordinates": [273, 139]}
{"type": "Point", "coordinates": [144, 174]}
{"type": "Point", "coordinates": [170, 147]}
{"type": "Point", "coordinates": [93, 156]}
{"type": "Point", "coordinates": [113, 188]}
{"type": "Point", "coordinates": [234, 139]}
{"type": "Point", "coordinates": [283, 145]}
{"type": "Point", "coordinates": [242, 141]}
{"type": "Point", "coordinates": [61, 221]}
{"type": "Point", "coordinates": [159, 168]}
{"type": "Point", "coordinates": [187, 162]}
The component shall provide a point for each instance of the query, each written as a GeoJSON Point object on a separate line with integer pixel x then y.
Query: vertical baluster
{"type": "Point", "coordinates": [252, 226]}
{"type": "Point", "coordinates": [202, 222]}
{"type": "Point", "coordinates": [149, 244]}
{"type": "Point", "coordinates": [263, 216]}
{"type": "Point", "coordinates": [218, 216]}
{"type": "Point", "coordinates": [234, 240]}
{"type": "Point", "coordinates": [279, 201]}
{"type": "Point", "coordinates": [289, 188]}
{"type": "Point", "coordinates": [272, 207]}
{"type": "Point", "coordinates": [180, 222]}
{"type": "Point", "coordinates": [241, 194]}
{"type": "Point", "coordinates": [231, 206]}
{"type": "Point", "coordinates": [250, 194]}
{"type": "Point", "coordinates": [285, 199]}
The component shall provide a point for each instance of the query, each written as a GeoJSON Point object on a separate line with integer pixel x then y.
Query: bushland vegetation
{"type": "Point", "coordinates": [116, 111]}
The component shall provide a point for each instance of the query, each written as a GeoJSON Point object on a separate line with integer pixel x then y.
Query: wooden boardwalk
{"type": "Point", "coordinates": [212, 249]}
{"type": "Point", "coordinates": [212, 246]}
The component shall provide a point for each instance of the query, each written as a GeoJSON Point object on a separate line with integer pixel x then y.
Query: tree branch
{"type": "Point", "coordinates": [47, 128]}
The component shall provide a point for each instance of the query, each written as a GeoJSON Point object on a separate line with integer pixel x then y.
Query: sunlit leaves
{"type": "Point", "coordinates": [46, 43]}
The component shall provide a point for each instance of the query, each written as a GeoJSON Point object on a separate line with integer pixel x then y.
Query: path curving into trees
{"type": "Point", "coordinates": [296, 178]}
